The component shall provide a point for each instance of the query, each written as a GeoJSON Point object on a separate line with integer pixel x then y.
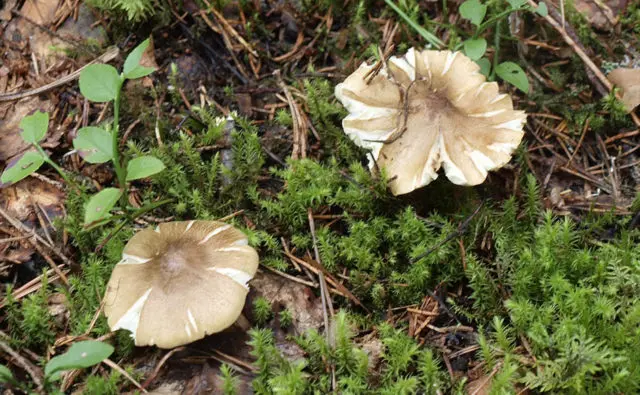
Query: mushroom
{"type": "Point", "coordinates": [427, 110]}
{"type": "Point", "coordinates": [180, 282]}
{"type": "Point", "coordinates": [628, 80]}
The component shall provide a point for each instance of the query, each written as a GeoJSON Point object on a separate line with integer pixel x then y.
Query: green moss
{"type": "Point", "coordinates": [30, 323]}
{"type": "Point", "coordinates": [229, 381]}
{"type": "Point", "coordinates": [262, 311]}
{"type": "Point", "coordinates": [108, 385]}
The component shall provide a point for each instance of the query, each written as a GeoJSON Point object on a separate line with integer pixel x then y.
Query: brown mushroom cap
{"type": "Point", "coordinates": [452, 118]}
{"type": "Point", "coordinates": [180, 282]}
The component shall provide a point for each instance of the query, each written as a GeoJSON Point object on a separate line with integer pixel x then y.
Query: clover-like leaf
{"type": "Point", "coordinates": [5, 375]}
{"type": "Point", "coordinates": [100, 83]}
{"type": "Point", "coordinates": [542, 9]}
{"type": "Point", "coordinates": [143, 166]}
{"type": "Point", "coordinates": [517, 4]}
{"type": "Point", "coordinates": [485, 66]}
{"type": "Point", "coordinates": [474, 11]}
{"type": "Point", "coordinates": [29, 163]}
{"type": "Point", "coordinates": [513, 74]}
{"type": "Point", "coordinates": [34, 127]}
{"type": "Point", "coordinates": [94, 144]}
{"type": "Point", "coordinates": [100, 204]}
{"type": "Point", "coordinates": [80, 355]}
{"type": "Point", "coordinates": [132, 68]}
{"type": "Point", "coordinates": [475, 48]}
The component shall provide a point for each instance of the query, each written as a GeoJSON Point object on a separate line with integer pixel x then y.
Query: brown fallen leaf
{"type": "Point", "coordinates": [11, 143]}
{"type": "Point", "coordinates": [19, 200]}
{"type": "Point", "coordinates": [601, 14]}
{"type": "Point", "coordinates": [23, 30]}
{"type": "Point", "coordinates": [5, 12]}
{"type": "Point", "coordinates": [305, 307]}
{"type": "Point", "coordinates": [628, 80]}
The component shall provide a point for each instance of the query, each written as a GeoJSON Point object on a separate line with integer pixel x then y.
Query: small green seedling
{"type": "Point", "coordinates": [102, 83]}
{"type": "Point", "coordinates": [34, 128]}
{"type": "Point", "coordinates": [80, 355]}
{"type": "Point", "coordinates": [475, 47]}
{"type": "Point", "coordinates": [99, 83]}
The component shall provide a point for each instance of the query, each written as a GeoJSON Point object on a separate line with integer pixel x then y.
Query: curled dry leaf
{"type": "Point", "coordinates": [305, 307]}
{"type": "Point", "coordinates": [428, 110]}
{"type": "Point", "coordinates": [11, 143]}
{"type": "Point", "coordinates": [628, 80]}
{"type": "Point", "coordinates": [19, 200]}
{"type": "Point", "coordinates": [601, 14]}
{"type": "Point", "coordinates": [45, 13]}
{"type": "Point", "coordinates": [180, 282]}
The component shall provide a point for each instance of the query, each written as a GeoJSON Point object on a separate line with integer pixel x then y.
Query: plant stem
{"type": "Point", "coordinates": [484, 25]}
{"type": "Point", "coordinates": [496, 53]}
{"type": "Point", "coordinates": [114, 141]}
{"type": "Point", "coordinates": [53, 164]}
{"type": "Point", "coordinates": [427, 35]}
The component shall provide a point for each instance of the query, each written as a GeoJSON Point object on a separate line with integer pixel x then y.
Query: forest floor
{"type": "Point", "coordinates": [527, 283]}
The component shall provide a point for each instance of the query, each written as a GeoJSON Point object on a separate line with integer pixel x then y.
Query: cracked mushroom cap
{"type": "Point", "coordinates": [427, 110]}
{"type": "Point", "coordinates": [180, 282]}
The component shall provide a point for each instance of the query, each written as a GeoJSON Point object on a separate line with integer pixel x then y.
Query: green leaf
{"type": "Point", "coordinates": [427, 35]}
{"type": "Point", "coordinates": [143, 166]}
{"type": "Point", "coordinates": [516, 4]}
{"type": "Point", "coordinates": [34, 127]}
{"type": "Point", "coordinates": [80, 355]}
{"type": "Point", "coordinates": [475, 49]}
{"type": "Point", "coordinates": [132, 68]}
{"type": "Point", "coordinates": [100, 83]}
{"type": "Point", "coordinates": [5, 375]}
{"type": "Point", "coordinates": [542, 9]}
{"type": "Point", "coordinates": [94, 144]}
{"type": "Point", "coordinates": [485, 66]}
{"type": "Point", "coordinates": [513, 74]}
{"type": "Point", "coordinates": [100, 204]}
{"type": "Point", "coordinates": [27, 164]}
{"type": "Point", "coordinates": [474, 11]}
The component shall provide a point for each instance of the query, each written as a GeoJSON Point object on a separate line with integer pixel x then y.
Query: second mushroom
{"type": "Point", "coordinates": [427, 110]}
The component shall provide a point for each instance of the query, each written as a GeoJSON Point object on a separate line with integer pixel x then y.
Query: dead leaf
{"type": "Point", "coordinates": [18, 255]}
{"type": "Point", "coordinates": [479, 386]}
{"type": "Point", "coordinates": [23, 31]}
{"type": "Point", "coordinates": [19, 199]}
{"type": "Point", "coordinates": [11, 143]}
{"type": "Point", "coordinates": [373, 347]}
{"type": "Point", "coordinates": [305, 307]}
{"type": "Point", "coordinates": [172, 388]}
{"type": "Point", "coordinates": [601, 14]}
{"type": "Point", "coordinates": [5, 13]}
{"type": "Point", "coordinates": [209, 381]}
{"type": "Point", "coordinates": [628, 80]}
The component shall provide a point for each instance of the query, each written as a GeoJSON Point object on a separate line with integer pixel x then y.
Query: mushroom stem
{"type": "Point", "coordinates": [242, 323]}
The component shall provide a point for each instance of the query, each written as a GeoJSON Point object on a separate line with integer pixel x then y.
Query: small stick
{"type": "Point", "coordinates": [109, 55]}
{"type": "Point", "coordinates": [32, 286]}
{"type": "Point", "coordinates": [123, 372]}
{"type": "Point", "coordinates": [299, 132]}
{"type": "Point", "coordinates": [18, 225]}
{"type": "Point", "coordinates": [160, 364]}
{"type": "Point", "coordinates": [235, 360]}
{"type": "Point", "coordinates": [290, 277]}
{"type": "Point", "coordinates": [227, 26]}
{"type": "Point", "coordinates": [584, 131]}
{"type": "Point", "coordinates": [461, 229]}
{"type": "Point", "coordinates": [31, 369]}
